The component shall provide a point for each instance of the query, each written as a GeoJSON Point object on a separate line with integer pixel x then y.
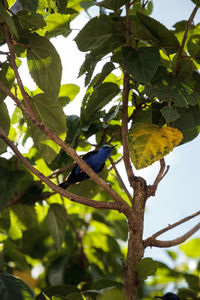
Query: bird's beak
{"type": "Point", "coordinates": [113, 146]}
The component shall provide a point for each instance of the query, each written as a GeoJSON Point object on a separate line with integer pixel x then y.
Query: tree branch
{"type": "Point", "coordinates": [51, 135]}
{"type": "Point", "coordinates": [126, 89]}
{"type": "Point", "coordinates": [175, 242]}
{"type": "Point", "coordinates": [149, 240]}
{"type": "Point", "coordinates": [180, 51]}
{"type": "Point", "coordinates": [161, 174]}
{"type": "Point", "coordinates": [54, 187]}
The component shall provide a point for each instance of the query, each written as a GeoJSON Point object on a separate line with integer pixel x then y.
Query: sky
{"type": "Point", "coordinates": [177, 195]}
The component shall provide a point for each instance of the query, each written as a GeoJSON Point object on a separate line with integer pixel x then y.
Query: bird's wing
{"type": "Point", "coordinates": [89, 154]}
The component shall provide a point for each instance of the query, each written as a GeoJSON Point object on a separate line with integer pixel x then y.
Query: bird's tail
{"type": "Point", "coordinates": [64, 185]}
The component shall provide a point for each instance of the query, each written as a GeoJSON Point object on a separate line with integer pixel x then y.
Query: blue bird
{"type": "Point", "coordinates": [168, 296]}
{"type": "Point", "coordinates": [95, 159]}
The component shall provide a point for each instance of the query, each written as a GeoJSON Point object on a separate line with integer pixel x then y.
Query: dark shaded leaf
{"type": "Point", "coordinates": [141, 64]}
{"type": "Point", "coordinates": [101, 96]}
{"type": "Point", "coordinates": [96, 32]}
{"type": "Point", "coordinates": [58, 291]}
{"type": "Point", "coordinates": [30, 20]}
{"type": "Point", "coordinates": [193, 47]}
{"type": "Point", "coordinates": [5, 17]}
{"type": "Point", "coordinates": [169, 113]}
{"type": "Point", "coordinates": [165, 37]}
{"type": "Point", "coordinates": [14, 288]}
{"type": "Point", "coordinates": [57, 223]}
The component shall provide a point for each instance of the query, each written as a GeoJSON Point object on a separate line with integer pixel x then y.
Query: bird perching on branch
{"type": "Point", "coordinates": [168, 296]}
{"type": "Point", "coordinates": [94, 159]}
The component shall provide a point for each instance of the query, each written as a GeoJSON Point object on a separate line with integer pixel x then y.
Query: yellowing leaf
{"type": "Point", "coordinates": [149, 143]}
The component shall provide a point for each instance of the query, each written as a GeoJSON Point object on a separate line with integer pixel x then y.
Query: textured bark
{"type": "Point", "coordinates": [135, 241]}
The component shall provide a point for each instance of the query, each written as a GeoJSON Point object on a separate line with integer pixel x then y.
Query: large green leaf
{"type": "Point", "coordinates": [96, 32]}
{"type": "Point", "coordinates": [101, 96]}
{"type": "Point", "coordinates": [4, 124]}
{"type": "Point", "coordinates": [14, 288]}
{"type": "Point", "coordinates": [141, 64]}
{"type": "Point", "coordinates": [169, 113]}
{"type": "Point", "coordinates": [7, 77]}
{"type": "Point", "coordinates": [57, 221]}
{"type": "Point", "coordinates": [51, 114]}
{"type": "Point", "coordinates": [166, 39]}
{"type": "Point", "coordinates": [44, 65]}
{"type": "Point", "coordinates": [113, 4]}
{"type": "Point", "coordinates": [30, 20]}
{"type": "Point", "coordinates": [57, 24]}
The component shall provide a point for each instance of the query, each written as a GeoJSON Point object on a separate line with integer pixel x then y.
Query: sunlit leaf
{"type": "Point", "coordinates": [44, 64]}
{"type": "Point", "coordinates": [57, 24]}
{"type": "Point", "coordinates": [191, 248]}
{"type": "Point", "coordinates": [4, 124]}
{"type": "Point", "coordinates": [149, 143]}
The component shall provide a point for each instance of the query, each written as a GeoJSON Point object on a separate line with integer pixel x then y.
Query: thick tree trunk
{"type": "Point", "coordinates": [135, 241]}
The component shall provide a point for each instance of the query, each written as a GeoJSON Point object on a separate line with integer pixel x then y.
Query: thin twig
{"type": "Point", "coordinates": [149, 240]}
{"type": "Point", "coordinates": [175, 242]}
{"type": "Point", "coordinates": [120, 180]}
{"type": "Point", "coordinates": [180, 51]}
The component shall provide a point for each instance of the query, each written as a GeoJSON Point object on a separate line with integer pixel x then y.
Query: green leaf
{"type": "Point", "coordinates": [44, 65]}
{"type": "Point", "coordinates": [193, 47]}
{"type": "Point", "coordinates": [96, 32]}
{"type": "Point", "coordinates": [191, 248]}
{"type": "Point", "coordinates": [7, 77]}
{"type": "Point", "coordinates": [112, 113]}
{"type": "Point", "coordinates": [107, 69]}
{"type": "Point", "coordinates": [4, 124]}
{"type": "Point", "coordinates": [25, 214]}
{"type": "Point", "coordinates": [30, 20]}
{"type": "Point", "coordinates": [73, 129]}
{"type": "Point", "coordinates": [67, 93]}
{"type": "Point", "coordinates": [57, 221]}
{"type": "Point", "coordinates": [141, 64]}
{"type": "Point", "coordinates": [59, 291]}
{"type": "Point", "coordinates": [101, 96]}
{"type": "Point", "coordinates": [146, 267]}
{"type": "Point", "coordinates": [87, 4]}
{"type": "Point", "coordinates": [5, 17]}
{"type": "Point", "coordinates": [57, 24]}
{"type": "Point", "coordinates": [169, 113]}
{"type": "Point", "coordinates": [51, 114]}
{"type": "Point", "coordinates": [169, 88]}
{"type": "Point", "coordinates": [14, 288]}
{"type": "Point", "coordinates": [189, 117]}
{"type": "Point", "coordinates": [113, 4]}
{"type": "Point", "coordinates": [9, 182]}
{"type": "Point", "coordinates": [112, 294]}
{"type": "Point", "coordinates": [166, 38]}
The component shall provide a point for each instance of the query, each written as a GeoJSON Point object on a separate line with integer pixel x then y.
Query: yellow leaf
{"type": "Point", "coordinates": [149, 143]}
